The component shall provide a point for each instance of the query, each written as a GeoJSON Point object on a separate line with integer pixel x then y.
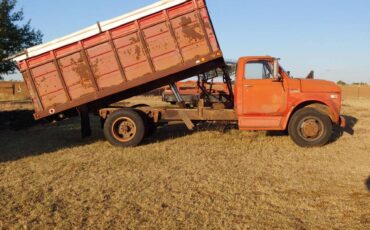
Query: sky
{"type": "Point", "coordinates": [331, 37]}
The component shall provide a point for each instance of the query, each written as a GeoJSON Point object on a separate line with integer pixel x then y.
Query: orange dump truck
{"type": "Point", "coordinates": [159, 45]}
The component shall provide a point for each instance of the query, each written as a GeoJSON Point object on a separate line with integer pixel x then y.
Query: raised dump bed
{"type": "Point", "coordinates": [137, 52]}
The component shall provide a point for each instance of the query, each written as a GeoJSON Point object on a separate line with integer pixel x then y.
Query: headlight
{"type": "Point", "coordinates": [334, 96]}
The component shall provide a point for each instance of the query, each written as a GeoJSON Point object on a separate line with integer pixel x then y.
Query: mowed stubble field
{"type": "Point", "coordinates": [50, 178]}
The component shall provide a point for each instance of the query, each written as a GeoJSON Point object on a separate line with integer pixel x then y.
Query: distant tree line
{"type": "Point", "coordinates": [355, 83]}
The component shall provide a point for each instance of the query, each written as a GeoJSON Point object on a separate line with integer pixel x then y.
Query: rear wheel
{"type": "Point", "coordinates": [309, 128]}
{"type": "Point", "coordinates": [124, 128]}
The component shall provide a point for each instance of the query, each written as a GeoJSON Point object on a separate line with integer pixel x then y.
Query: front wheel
{"type": "Point", "coordinates": [310, 128]}
{"type": "Point", "coordinates": [124, 128]}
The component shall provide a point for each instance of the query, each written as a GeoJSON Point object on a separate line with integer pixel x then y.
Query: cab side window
{"type": "Point", "coordinates": [258, 70]}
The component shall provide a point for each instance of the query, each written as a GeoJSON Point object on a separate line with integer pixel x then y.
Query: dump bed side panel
{"type": "Point", "coordinates": [122, 58]}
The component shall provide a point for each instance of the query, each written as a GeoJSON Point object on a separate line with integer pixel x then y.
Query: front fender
{"type": "Point", "coordinates": [325, 106]}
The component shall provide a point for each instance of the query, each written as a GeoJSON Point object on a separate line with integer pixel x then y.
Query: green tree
{"type": "Point", "coordinates": [15, 36]}
{"type": "Point", "coordinates": [341, 83]}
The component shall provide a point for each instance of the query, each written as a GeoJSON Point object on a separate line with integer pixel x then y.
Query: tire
{"type": "Point", "coordinates": [310, 128]}
{"type": "Point", "coordinates": [124, 128]}
{"type": "Point", "coordinates": [150, 126]}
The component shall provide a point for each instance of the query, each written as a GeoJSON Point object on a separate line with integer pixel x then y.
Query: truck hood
{"type": "Point", "coordinates": [319, 86]}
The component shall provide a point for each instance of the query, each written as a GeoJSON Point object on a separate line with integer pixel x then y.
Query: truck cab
{"type": "Point", "coordinates": [267, 98]}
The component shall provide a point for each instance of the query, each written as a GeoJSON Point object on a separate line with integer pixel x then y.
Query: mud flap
{"type": "Point", "coordinates": [342, 121]}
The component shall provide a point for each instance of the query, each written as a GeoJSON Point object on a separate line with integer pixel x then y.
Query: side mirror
{"type": "Point", "coordinates": [311, 75]}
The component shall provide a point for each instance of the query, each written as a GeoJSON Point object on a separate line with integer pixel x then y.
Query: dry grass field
{"type": "Point", "coordinates": [50, 178]}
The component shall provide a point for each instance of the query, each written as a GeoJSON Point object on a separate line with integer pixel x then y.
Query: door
{"type": "Point", "coordinates": [264, 96]}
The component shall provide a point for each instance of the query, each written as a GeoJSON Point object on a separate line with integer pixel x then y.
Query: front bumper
{"type": "Point", "coordinates": [342, 121]}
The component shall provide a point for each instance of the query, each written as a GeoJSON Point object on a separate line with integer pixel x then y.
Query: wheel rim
{"type": "Point", "coordinates": [311, 128]}
{"type": "Point", "coordinates": [124, 129]}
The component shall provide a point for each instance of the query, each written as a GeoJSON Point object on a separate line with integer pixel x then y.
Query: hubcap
{"type": "Point", "coordinates": [311, 128]}
{"type": "Point", "coordinates": [124, 129]}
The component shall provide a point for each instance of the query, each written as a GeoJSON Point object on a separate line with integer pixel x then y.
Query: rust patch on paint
{"type": "Point", "coordinates": [190, 31]}
{"type": "Point", "coordinates": [207, 25]}
{"type": "Point", "coordinates": [82, 70]}
{"type": "Point", "coordinates": [208, 28]}
{"type": "Point", "coordinates": [134, 40]}
{"type": "Point", "coordinates": [138, 52]}
{"type": "Point", "coordinates": [127, 52]}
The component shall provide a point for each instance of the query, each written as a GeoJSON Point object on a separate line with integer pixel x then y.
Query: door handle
{"type": "Point", "coordinates": [248, 86]}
